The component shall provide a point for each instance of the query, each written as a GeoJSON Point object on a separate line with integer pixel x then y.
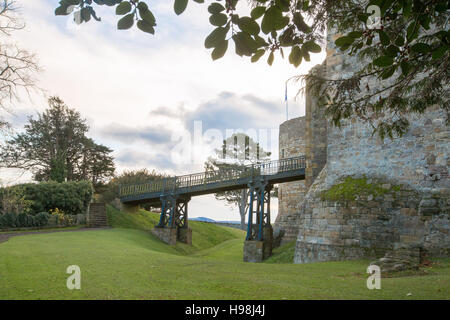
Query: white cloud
{"type": "Point", "coordinates": [120, 77]}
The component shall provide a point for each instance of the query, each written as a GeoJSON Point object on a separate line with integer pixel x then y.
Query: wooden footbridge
{"type": "Point", "coordinates": [174, 193]}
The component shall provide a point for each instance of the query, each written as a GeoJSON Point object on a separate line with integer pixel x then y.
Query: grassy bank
{"type": "Point", "coordinates": [127, 262]}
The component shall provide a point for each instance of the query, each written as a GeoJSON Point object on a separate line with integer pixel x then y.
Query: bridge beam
{"type": "Point", "coordinates": [173, 221]}
{"type": "Point", "coordinates": [258, 242]}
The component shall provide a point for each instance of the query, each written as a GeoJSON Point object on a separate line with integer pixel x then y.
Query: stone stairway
{"type": "Point", "coordinates": [97, 216]}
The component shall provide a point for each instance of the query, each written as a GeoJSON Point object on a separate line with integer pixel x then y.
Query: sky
{"type": "Point", "coordinates": [159, 102]}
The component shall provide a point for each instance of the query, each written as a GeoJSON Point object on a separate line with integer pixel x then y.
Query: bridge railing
{"type": "Point", "coordinates": [214, 176]}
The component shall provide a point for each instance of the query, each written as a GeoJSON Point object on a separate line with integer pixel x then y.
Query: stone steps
{"type": "Point", "coordinates": [97, 215]}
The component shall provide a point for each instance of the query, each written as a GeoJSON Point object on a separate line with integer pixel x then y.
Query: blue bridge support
{"type": "Point", "coordinates": [173, 222]}
{"type": "Point", "coordinates": [258, 242]}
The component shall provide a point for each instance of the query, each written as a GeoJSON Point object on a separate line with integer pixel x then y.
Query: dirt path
{"type": "Point", "coordinates": [5, 236]}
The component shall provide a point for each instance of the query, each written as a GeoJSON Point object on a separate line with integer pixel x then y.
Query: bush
{"type": "Point", "coordinates": [2, 221]}
{"type": "Point", "coordinates": [71, 197]}
{"type": "Point", "coordinates": [12, 200]}
{"type": "Point", "coordinates": [23, 220]}
{"type": "Point", "coordinates": [41, 219]}
{"type": "Point", "coordinates": [62, 219]}
{"type": "Point", "coordinates": [9, 220]}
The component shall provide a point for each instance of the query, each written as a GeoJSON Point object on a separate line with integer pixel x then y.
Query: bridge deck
{"type": "Point", "coordinates": [278, 171]}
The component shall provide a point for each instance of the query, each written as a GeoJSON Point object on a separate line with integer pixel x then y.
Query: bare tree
{"type": "Point", "coordinates": [18, 67]}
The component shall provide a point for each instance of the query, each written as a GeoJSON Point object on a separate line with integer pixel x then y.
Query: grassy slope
{"type": "Point", "coordinates": [125, 263]}
{"type": "Point", "coordinates": [207, 235]}
{"type": "Point", "coordinates": [283, 254]}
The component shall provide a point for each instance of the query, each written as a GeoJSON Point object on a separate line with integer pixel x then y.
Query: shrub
{"type": "Point", "coordinates": [71, 197]}
{"type": "Point", "coordinates": [22, 220]}
{"type": "Point", "coordinates": [62, 218]}
{"type": "Point", "coordinates": [9, 220]}
{"type": "Point", "coordinates": [13, 200]}
{"type": "Point", "coordinates": [41, 219]}
{"type": "Point", "coordinates": [2, 221]}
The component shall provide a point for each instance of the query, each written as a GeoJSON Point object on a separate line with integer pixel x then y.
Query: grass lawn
{"type": "Point", "coordinates": [127, 262]}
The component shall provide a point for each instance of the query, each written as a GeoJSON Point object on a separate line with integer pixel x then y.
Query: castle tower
{"type": "Point", "coordinates": [292, 143]}
{"type": "Point", "coordinates": [410, 175]}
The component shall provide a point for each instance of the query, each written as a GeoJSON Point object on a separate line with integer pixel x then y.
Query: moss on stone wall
{"type": "Point", "coordinates": [351, 189]}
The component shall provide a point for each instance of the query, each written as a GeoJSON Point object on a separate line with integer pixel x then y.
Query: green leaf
{"type": "Point", "coordinates": [295, 57]}
{"type": "Point", "coordinates": [384, 38]}
{"type": "Point", "coordinates": [271, 19]}
{"type": "Point", "coordinates": [72, 2]}
{"type": "Point", "coordinates": [412, 32]}
{"type": "Point", "coordinates": [400, 41]}
{"type": "Point", "coordinates": [421, 48]}
{"type": "Point", "coordinates": [311, 46]}
{"type": "Point", "coordinates": [85, 14]}
{"type": "Point", "coordinates": [245, 44]}
{"type": "Point", "coordinates": [220, 50]}
{"type": "Point", "coordinates": [388, 72]}
{"type": "Point", "coordinates": [257, 12]}
{"type": "Point", "coordinates": [355, 34]}
{"type": "Point", "coordinates": [260, 42]}
{"type": "Point", "coordinates": [258, 54]}
{"type": "Point", "coordinates": [146, 27]}
{"type": "Point", "coordinates": [215, 8]}
{"type": "Point", "coordinates": [248, 25]}
{"type": "Point", "coordinates": [405, 67]}
{"type": "Point", "coordinates": [216, 37]}
{"type": "Point", "coordinates": [407, 5]}
{"type": "Point", "coordinates": [392, 50]}
{"type": "Point", "coordinates": [271, 58]}
{"type": "Point", "coordinates": [305, 54]}
{"type": "Point", "coordinates": [218, 19]}
{"type": "Point", "coordinates": [123, 8]}
{"type": "Point", "coordinates": [146, 14]}
{"type": "Point", "coordinates": [300, 23]}
{"type": "Point", "coordinates": [61, 10]}
{"type": "Point", "coordinates": [439, 52]}
{"type": "Point", "coordinates": [344, 41]}
{"type": "Point", "coordinates": [179, 6]}
{"type": "Point", "coordinates": [383, 61]}
{"type": "Point", "coordinates": [126, 22]}
{"type": "Point", "coordinates": [283, 5]}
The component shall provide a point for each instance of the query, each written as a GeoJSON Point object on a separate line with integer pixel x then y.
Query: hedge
{"type": "Point", "coordinates": [22, 220]}
{"type": "Point", "coordinates": [71, 197]}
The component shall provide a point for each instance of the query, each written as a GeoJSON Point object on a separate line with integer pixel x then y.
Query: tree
{"type": "Point", "coordinates": [237, 151]}
{"type": "Point", "coordinates": [111, 191]}
{"type": "Point", "coordinates": [55, 147]}
{"type": "Point", "coordinates": [18, 67]}
{"type": "Point", "coordinates": [408, 51]}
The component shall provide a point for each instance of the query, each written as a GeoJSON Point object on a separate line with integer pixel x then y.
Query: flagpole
{"type": "Point", "coordinates": [286, 100]}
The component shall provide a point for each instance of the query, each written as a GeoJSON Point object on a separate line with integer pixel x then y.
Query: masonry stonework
{"type": "Point", "coordinates": [292, 143]}
{"type": "Point", "coordinates": [406, 196]}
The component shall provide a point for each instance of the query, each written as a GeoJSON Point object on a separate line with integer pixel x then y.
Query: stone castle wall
{"type": "Point", "coordinates": [409, 174]}
{"type": "Point", "coordinates": [419, 158]}
{"type": "Point", "coordinates": [292, 143]}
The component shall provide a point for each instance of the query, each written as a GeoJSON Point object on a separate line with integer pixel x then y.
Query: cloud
{"type": "Point", "coordinates": [136, 89]}
{"type": "Point", "coordinates": [233, 111]}
{"type": "Point", "coordinates": [227, 110]}
{"type": "Point", "coordinates": [137, 159]}
{"type": "Point", "coordinates": [151, 135]}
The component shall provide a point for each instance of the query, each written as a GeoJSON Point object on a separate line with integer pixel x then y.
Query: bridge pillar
{"type": "Point", "coordinates": [173, 222]}
{"type": "Point", "coordinates": [259, 239]}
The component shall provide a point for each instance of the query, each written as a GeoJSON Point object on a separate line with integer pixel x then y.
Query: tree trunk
{"type": "Point", "coordinates": [243, 207]}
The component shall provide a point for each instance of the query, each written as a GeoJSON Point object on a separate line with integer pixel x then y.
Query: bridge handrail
{"type": "Point", "coordinates": [213, 176]}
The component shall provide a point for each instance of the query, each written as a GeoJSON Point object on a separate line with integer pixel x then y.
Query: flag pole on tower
{"type": "Point", "coordinates": [286, 101]}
